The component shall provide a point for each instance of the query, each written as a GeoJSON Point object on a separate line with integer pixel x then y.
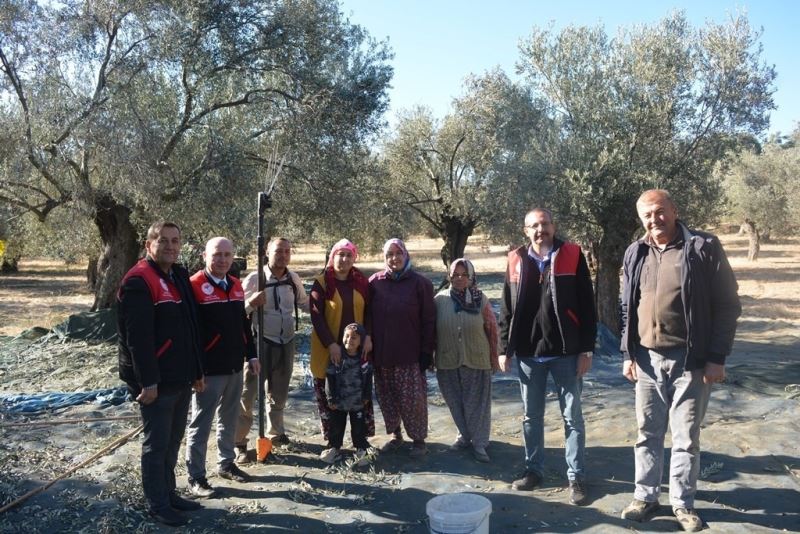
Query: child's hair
{"type": "Point", "coordinates": [359, 329]}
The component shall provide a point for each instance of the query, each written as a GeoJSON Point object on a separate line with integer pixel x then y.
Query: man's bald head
{"type": "Point", "coordinates": [218, 256]}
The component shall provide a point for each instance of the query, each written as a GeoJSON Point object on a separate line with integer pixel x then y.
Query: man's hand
{"type": "Point", "coordinates": [256, 299]}
{"type": "Point", "coordinates": [629, 370]}
{"type": "Point", "coordinates": [254, 366]}
{"type": "Point", "coordinates": [335, 352]}
{"type": "Point", "coordinates": [584, 363]}
{"type": "Point", "coordinates": [366, 345]}
{"type": "Point", "coordinates": [502, 361]}
{"type": "Point", "coordinates": [147, 396]}
{"type": "Point", "coordinates": [713, 372]}
{"type": "Point", "coordinates": [199, 385]}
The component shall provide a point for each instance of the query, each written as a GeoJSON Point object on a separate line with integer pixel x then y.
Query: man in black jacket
{"type": "Point", "coordinates": [159, 360]}
{"type": "Point", "coordinates": [227, 344]}
{"type": "Point", "coordinates": [679, 307]}
{"type": "Point", "coordinates": [548, 321]}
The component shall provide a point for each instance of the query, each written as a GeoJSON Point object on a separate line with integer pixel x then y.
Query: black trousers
{"type": "Point", "coordinates": [164, 424]}
{"type": "Point", "coordinates": [358, 428]}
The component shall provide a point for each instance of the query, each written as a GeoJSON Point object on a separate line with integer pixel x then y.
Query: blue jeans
{"type": "Point", "coordinates": [164, 424]}
{"type": "Point", "coordinates": [533, 386]}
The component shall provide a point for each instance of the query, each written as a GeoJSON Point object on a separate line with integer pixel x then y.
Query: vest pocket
{"type": "Point", "coordinates": [213, 342]}
{"type": "Point", "coordinates": [167, 344]}
{"type": "Point", "coordinates": [573, 317]}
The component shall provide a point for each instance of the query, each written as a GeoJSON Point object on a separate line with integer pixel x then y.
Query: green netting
{"type": "Point", "coordinates": [90, 326]}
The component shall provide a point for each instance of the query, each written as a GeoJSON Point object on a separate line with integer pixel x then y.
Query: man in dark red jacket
{"type": "Point", "coordinates": [548, 321]}
{"type": "Point", "coordinates": [227, 344]}
{"type": "Point", "coordinates": [159, 360]}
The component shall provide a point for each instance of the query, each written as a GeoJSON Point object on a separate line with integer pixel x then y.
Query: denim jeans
{"type": "Point", "coordinates": [666, 394]}
{"type": "Point", "coordinates": [533, 385]}
{"type": "Point", "coordinates": [164, 424]}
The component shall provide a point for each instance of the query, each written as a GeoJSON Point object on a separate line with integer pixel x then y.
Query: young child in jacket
{"type": "Point", "coordinates": [348, 386]}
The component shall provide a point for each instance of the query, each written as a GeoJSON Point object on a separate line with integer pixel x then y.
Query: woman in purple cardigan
{"type": "Point", "coordinates": [403, 321]}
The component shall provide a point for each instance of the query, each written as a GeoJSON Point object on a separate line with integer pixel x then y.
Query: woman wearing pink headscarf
{"type": "Point", "coordinates": [402, 321]}
{"type": "Point", "coordinates": [338, 297]}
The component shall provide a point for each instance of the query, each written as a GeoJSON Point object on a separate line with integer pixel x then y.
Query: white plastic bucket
{"type": "Point", "coordinates": [459, 513]}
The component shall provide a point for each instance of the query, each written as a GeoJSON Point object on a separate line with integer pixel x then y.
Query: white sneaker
{"type": "Point", "coordinates": [330, 456]}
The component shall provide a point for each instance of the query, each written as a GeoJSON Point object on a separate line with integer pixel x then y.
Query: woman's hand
{"type": "Point", "coordinates": [335, 352]}
{"type": "Point", "coordinates": [503, 362]}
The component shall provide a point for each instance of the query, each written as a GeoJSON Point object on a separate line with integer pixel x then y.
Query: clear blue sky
{"type": "Point", "coordinates": [437, 43]}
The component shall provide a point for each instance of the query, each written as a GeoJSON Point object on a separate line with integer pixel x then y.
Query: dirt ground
{"type": "Point", "coordinates": [750, 469]}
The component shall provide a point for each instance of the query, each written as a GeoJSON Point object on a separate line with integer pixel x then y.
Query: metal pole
{"type": "Point", "coordinates": [264, 445]}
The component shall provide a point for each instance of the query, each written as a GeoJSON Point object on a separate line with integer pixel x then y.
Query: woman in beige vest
{"type": "Point", "coordinates": [466, 356]}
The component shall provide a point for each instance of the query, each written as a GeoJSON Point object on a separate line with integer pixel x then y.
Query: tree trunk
{"type": "Point", "coordinates": [10, 264]}
{"type": "Point", "coordinates": [455, 234]}
{"type": "Point", "coordinates": [607, 284]}
{"type": "Point", "coordinates": [91, 273]}
{"type": "Point", "coordinates": [120, 249]}
{"type": "Point", "coordinates": [754, 246]}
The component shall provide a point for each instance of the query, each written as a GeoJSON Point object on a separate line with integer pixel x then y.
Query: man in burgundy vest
{"type": "Point", "coordinates": [227, 344]}
{"type": "Point", "coordinates": [159, 360]}
{"type": "Point", "coordinates": [548, 322]}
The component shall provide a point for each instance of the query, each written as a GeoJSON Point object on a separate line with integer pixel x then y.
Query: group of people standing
{"type": "Point", "coordinates": [181, 333]}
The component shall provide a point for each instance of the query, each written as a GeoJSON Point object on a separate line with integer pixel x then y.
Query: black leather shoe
{"type": "Point", "coordinates": [232, 472]}
{"type": "Point", "coordinates": [183, 505]}
{"type": "Point", "coordinates": [283, 439]}
{"type": "Point", "coordinates": [529, 481]}
{"type": "Point", "coordinates": [201, 488]}
{"type": "Point", "coordinates": [169, 517]}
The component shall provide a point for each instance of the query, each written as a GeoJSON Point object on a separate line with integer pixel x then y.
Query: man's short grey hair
{"type": "Point", "coordinates": [656, 193]}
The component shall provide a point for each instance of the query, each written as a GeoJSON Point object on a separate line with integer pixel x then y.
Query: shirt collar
{"type": "Point", "coordinates": [215, 279]}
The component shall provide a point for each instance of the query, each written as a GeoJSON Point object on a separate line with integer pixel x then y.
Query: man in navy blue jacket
{"type": "Point", "coordinates": [679, 311]}
{"type": "Point", "coordinates": [159, 360]}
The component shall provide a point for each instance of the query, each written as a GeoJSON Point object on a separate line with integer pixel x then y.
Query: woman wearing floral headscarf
{"type": "Point", "coordinates": [338, 297]}
{"type": "Point", "coordinates": [466, 355]}
{"type": "Point", "coordinates": [402, 321]}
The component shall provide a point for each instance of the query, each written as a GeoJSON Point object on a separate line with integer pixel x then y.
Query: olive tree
{"type": "Point", "coordinates": [653, 106]}
{"type": "Point", "coordinates": [473, 168]}
{"type": "Point", "coordinates": [133, 110]}
{"type": "Point", "coordinates": [761, 187]}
